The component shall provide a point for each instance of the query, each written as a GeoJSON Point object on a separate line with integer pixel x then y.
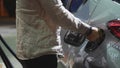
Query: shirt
{"type": "Point", "coordinates": [37, 22]}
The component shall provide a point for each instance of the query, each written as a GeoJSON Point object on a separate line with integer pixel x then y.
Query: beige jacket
{"type": "Point", "coordinates": [37, 22]}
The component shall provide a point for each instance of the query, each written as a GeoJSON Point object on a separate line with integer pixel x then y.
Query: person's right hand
{"type": "Point", "coordinates": [94, 34]}
{"type": "Point", "coordinates": [96, 37]}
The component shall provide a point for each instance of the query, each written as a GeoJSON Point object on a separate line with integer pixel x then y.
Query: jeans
{"type": "Point", "coordinates": [46, 61]}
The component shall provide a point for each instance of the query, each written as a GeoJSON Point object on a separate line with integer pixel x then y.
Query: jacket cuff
{"type": "Point", "coordinates": [89, 31]}
{"type": "Point", "coordinates": [84, 28]}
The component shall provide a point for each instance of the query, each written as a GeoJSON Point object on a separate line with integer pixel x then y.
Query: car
{"type": "Point", "coordinates": [104, 14]}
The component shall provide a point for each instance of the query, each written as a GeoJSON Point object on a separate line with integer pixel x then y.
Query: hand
{"type": "Point", "coordinates": [96, 37]}
{"type": "Point", "coordinates": [94, 34]}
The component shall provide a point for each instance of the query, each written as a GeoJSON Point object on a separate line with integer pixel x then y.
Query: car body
{"type": "Point", "coordinates": [96, 13]}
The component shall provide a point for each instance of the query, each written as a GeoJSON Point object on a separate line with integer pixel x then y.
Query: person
{"type": "Point", "coordinates": [37, 23]}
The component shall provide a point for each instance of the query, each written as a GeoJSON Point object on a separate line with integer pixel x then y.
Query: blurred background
{"type": "Point", "coordinates": [8, 30]}
{"type": "Point", "coordinates": [7, 11]}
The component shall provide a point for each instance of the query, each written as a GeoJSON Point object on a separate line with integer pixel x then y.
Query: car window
{"type": "Point", "coordinates": [118, 1]}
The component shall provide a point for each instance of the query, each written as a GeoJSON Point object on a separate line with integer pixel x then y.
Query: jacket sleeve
{"type": "Point", "coordinates": [63, 17]}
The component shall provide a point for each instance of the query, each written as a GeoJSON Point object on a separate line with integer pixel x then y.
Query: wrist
{"type": "Point", "coordinates": [89, 31]}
